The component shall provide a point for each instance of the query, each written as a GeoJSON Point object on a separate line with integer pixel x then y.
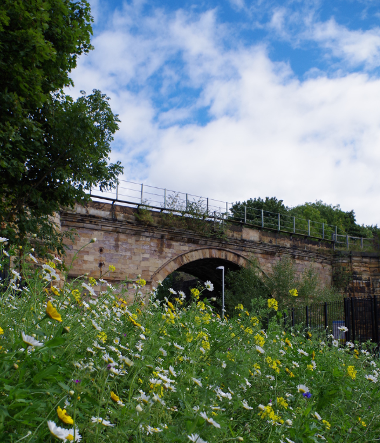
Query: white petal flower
{"type": "Point", "coordinates": [31, 341]}
{"type": "Point", "coordinates": [259, 349]}
{"type": "Point", "coordinates": [195, 438]}
{"type": "Point", "coordinates": [302, 388]}
{"type": "Point", "coordinates": [3, 239]}
{"type": "Point", "coordinates": [209, 286]}
{"type": "Point", "coordinates": [102, 421]}
{"type": "Point", "coordinates": [317, 416]}
{"type": "Point", "coordinates": [245, 405]}
{"type": "Point", "coordinates": [197, 382]}
{"type": "Point", "coordinates": [63, 434]}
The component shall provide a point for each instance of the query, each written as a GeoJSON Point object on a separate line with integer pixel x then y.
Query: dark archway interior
{"type": "Point", "coordinates": [205, 269]}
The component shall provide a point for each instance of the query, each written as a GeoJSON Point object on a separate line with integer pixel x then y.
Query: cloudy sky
{"type": "Point", "coordinates": [244, 98]}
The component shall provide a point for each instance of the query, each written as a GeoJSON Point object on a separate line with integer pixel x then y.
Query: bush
{"type": "Point", "coordinates": [78, 365]}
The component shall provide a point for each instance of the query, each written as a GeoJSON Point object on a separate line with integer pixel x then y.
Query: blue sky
{"type": "Point", "coordinates": [238, 99]}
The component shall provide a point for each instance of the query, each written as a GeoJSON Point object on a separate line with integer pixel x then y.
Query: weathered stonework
{"type": "Point", "coordinates": [154, 251]}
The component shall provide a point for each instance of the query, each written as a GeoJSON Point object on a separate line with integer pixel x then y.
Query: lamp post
{"type": "Point", "coordinates": [222, 268]}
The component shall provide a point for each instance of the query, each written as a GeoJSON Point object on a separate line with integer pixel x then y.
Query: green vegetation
{"type": "Point", "coordinates": [79, 366]}
{"type": "Point", "coordinates": [53, 149]}
{"type": "Point", "coordinates": [317, 212]}
{"type": "Point", "coordinates": [252, 287]}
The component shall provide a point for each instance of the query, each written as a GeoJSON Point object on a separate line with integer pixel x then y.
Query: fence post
{"type": "Point", "coordinates": [226, 208]}
{"type": "Point", "coordinates": [90, 190]}
{"type": "Point", "coordinates": [347, 317]}
{"type": "Point", "coordinates": [336, 234]}
{"type": "Point", "coordinates": [375, 313]}
{"type": "Point", "coordinates": [142, 192]}
{"type": "Point", "coordinates": [262, 218]}
{"type": "Point", "coordinates": [353, 319]}
{"type": "Point", "coordinates": [308, 228]}
{"type": "Point", "coordinates": [207, 206]}
{"type": "Point", "coordinates": [347, 240]}
{"type": "Point", "coordinates": [165, 198]}
{"type": "Point", "coordinates": [279, 222]}
{"type": "Point", "coordinates": [214, 219]}
{"type": "Point", "coordinates": [245, 214]}
{"type": "Point", "coordinates": [326, 319]}
{"type": "Point", "coordinates": [307, 317]}
{"type": "Point", "coordinates": [323, 230]}
{"type": "Point", "coordinates": [186, 202]}
{"type": "Point", "coordinates": [292, 316]}
{"type": "Point", "coordinates": [294, 225]}
{"type": "Point", "coordinates": [361, 243]}
{"type": "Point", "coordinates": [117, 191]}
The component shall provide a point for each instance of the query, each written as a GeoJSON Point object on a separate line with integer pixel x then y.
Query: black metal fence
{"type": "Point", "coordinates": [359, 315]}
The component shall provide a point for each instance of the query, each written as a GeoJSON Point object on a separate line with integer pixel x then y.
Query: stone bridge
{"type": "Point", "coordinates": [153, 250]}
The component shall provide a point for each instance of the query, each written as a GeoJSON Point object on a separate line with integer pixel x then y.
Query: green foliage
{"type": "Point", "coordinates": [161, 372]}
{"type": "Point", "coordinates": [53, 148]}
{"type": "Point", "coordinates": [193, 216]}
{"type": "Point", "coordinates": [250, 286]}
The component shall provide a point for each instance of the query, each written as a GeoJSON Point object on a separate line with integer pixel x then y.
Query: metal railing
{"type": "Point", "coordinates": [162, 199]}
{"type": "Point", "coordinates": [360, 315]}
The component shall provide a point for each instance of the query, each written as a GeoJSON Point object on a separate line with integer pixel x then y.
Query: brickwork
{"type": "Point", "coordinates": [154, 250]}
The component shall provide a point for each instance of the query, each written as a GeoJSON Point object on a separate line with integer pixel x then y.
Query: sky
{"type": "Point", "coordinates": [239, 99]}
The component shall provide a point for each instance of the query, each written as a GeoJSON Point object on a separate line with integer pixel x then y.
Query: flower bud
{"type": "Point", "coordinates": [93, 240]}
{"type": "Point", "coordinates": [15, 365]}
{"type": "Point", "coordinates": [138, 408]}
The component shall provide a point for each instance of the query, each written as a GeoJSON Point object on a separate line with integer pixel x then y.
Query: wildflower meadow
{"type": "Point", "coordinates": [81, 360]}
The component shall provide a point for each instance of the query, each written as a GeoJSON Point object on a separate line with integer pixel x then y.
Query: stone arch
{"type": "Point", "coordinates": [202, 260]}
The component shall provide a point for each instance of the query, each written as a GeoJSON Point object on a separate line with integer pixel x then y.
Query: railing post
{"type": "Point", "coordinates": [347, 241]}
{"type": "Point", "coordinates": [117, 191]}
{"type": "Point", "coordinates": [375, 313]}
{"type": "Point", "coordinates": [323, 230]}
{"type": "Point", "coordinates": [214, 219]}
{"type": "Point", "coordinates": [186, 201]}
{"type": "Point", "coordinates": [347, 317]}
{"type": "Point", "coordinates": [226, 208]}
{"type": "Point", "coordinates": [262, 218]}
{"type": "Point", "coordinates": [142, 192]}
{"type": "Point", "coordinates": [279, 222]}
{"type": "Point", "coordinates": [307, 316]}
{"type": "Point", "coordinates": [308, 228]}
{"type": "Point", "coordinates": [245, 214]}
{"type": "Point", "coordinates": [292, 316]}
{"type": "Point", "coordinates": [326, 319]}
{"type": "Point", "coordinates": [90, 190]}
{"type": "Point", "coordinates": [207, 206]}
{"type": "Point", "coordinates": [361, 243]}
{"type": "Point", "coordinates": [294, 225]}
{"type": "Point", "coordinates": [353, 319]}
{"type": "Point", "coordinates": [165, 198]}
{"type": "Point", "coordinates": [336, 234]}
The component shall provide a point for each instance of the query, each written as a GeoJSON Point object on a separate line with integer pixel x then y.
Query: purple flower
{"type": "Point", "coordinates": [306, 394]}
{"type": "Point", "coordinates": [77, 381]}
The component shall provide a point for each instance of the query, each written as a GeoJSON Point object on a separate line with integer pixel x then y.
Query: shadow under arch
{"type": "Point", "coordinates": [202, 263]}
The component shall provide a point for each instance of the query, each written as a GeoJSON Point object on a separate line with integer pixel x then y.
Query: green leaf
{"type": "Point", "coordinates": [57, 341]}
{"type": "Point", "coordinates": [48, 372]}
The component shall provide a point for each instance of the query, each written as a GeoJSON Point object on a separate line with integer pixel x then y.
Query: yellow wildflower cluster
{"type": "Point", "coordinates": [140, 282]}
{"type": "Point", "coordinates": [293, 292]}
{"type": "Point", "coordinates": [259, 340]}
{"type": "Point", "coordinates": [274, 364]}
{"type": "Point", "coordinates": [76, 295]}
{"type": "Point", "coordinates": [272, 303]}
{"type": "Point", "coordinates": [239, 306]}
{"type": "Point", "coordinates": [255, 321]}
{"type": "Point", "coordinates": [289, 372]}
{"type": "Point", "coordinates": [92, 281]}
{"type": "Point", "coordinates": [268, 412]}
{"type": "Point", "coordinates": [195, 293]}
{"type": "Point", "coordinates": [351, 371]}
{"type": "Point", "coordinates": [282, 402]}
{"type": "Point", "coordinates": [102, 336]}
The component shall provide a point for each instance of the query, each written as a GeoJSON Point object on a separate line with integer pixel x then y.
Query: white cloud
{"type": "Point", "coordinates": [269, 134]}
{"type": "Point", "coordinates": [356, 47]}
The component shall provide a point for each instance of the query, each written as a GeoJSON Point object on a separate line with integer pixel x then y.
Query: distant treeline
{"type": "Point", "coordinates": [318, 211]}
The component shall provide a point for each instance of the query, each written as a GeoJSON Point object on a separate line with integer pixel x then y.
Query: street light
{"type": "Point", "coordinates": [222, 268]}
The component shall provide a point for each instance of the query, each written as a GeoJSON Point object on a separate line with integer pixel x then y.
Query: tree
{"type": "Point", "coordinates": [53, 149]}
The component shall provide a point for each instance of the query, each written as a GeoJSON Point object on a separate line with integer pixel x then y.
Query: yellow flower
{"type": "Point", "coordinates": [92, 281]}
{"type": "Point", "coordinates": [51, 264]}
{"type": "Point", "coordinates": [282, 402]}
{"type": "Point", "coordinates": [102, 336]}
{"type": "Point", "coordinates": [362, 422]}
{"type": "Point", "coordinates": [141, 282]}
{"type": "Point", "coordinates": [114, 397]}
{"type": "Point", "coordinates": [1, 331]}
{"type": "Point", "coordinates": [239, 306]}
{"type": "Point", "coordinates": [63, 416]}
{"type": "Point", "coordinates": [326, 423]}
{"type": "Point", "coordinates": [55, 290]}
{"type": "Point", "coordinates": [351, 371]}
{"type": "Point", "coordinates": [293, 292]}
{"type": "Point", "coordinates": [189, 337]}
{"type": "Point", "coordinates": [112, 268]}
{"type": "Point", "coordinates": [195, 292]}
{"type": "Point", "coordinates": [272, 303]}
{"type": "Point", "coordinates": [52, 312]}
{"type": "Point", "coordinates": [255, 321]}
{"type": "Point", "coordinates": [259, 340]}
{"type": "Point", "coordinates": [310, 367]}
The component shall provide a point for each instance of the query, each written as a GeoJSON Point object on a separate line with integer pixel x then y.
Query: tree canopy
{"type": "Point", "coordinates": [53, 148]}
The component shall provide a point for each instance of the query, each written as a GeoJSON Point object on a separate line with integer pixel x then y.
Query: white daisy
{"type": "Point", "coordinates": [102, 421]}
{"type": "Point", "coordinates": [209, 286]}
{"type": "Point", "coordinates": [31, 341]}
